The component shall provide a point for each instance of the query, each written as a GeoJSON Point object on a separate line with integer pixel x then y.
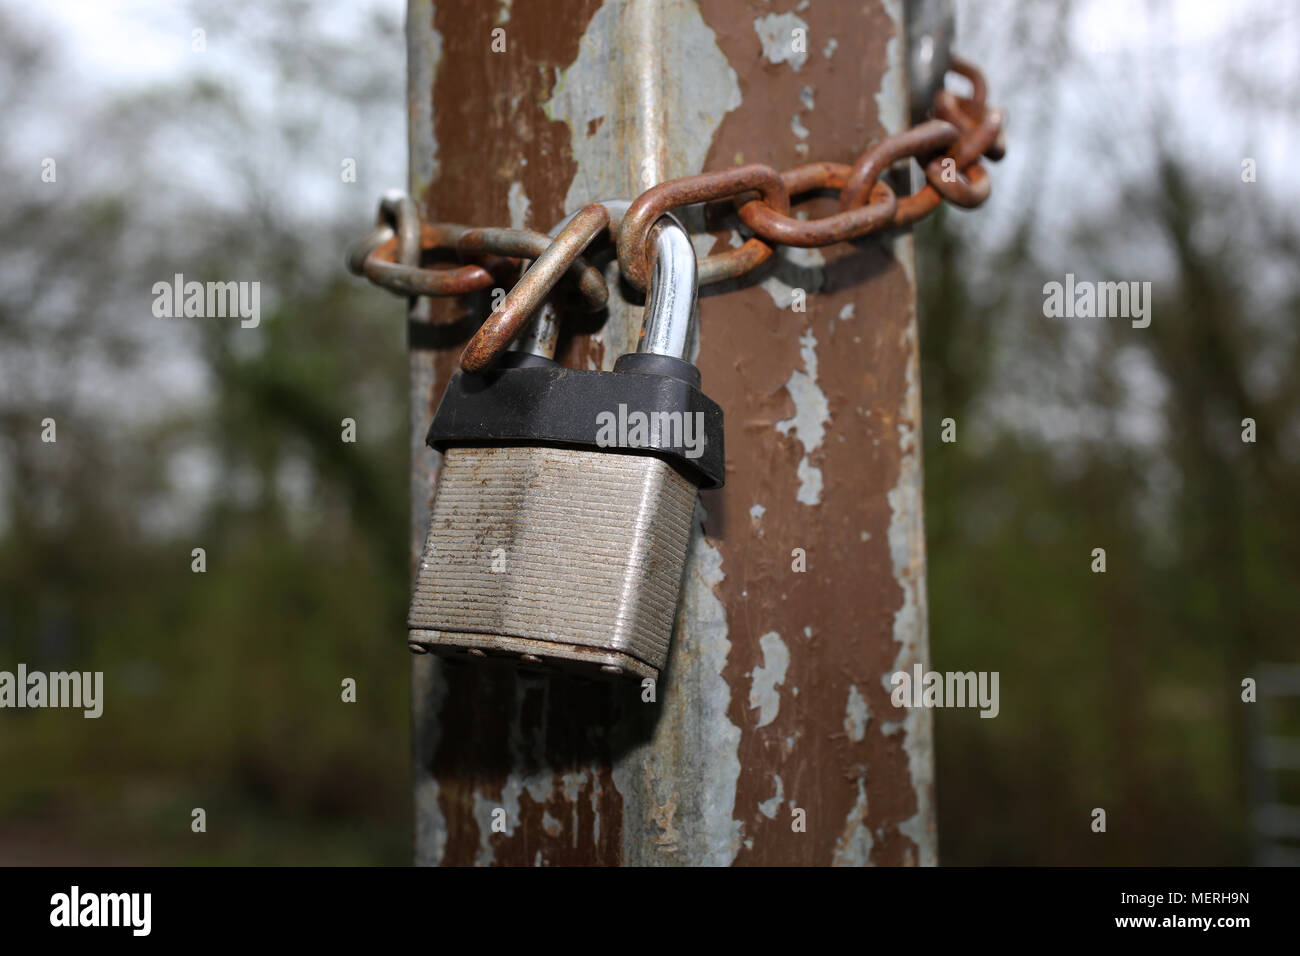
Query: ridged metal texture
{"type": "Point", "coordinates": [556, 556]}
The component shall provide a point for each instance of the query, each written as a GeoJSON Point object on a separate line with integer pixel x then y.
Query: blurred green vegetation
{"type": "Point", "coordinates": [223, 689]}
{"type": "Point", "coordinates": [1120, 690]}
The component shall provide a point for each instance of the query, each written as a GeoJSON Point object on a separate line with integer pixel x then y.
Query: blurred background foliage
{"type": "Point", "coordinates": [223, 689]}
{"type": "Point", "coordinates": [1118, 690]}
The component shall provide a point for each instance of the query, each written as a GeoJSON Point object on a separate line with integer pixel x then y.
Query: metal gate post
{"type": "Point", "coordinates": [772, 739]}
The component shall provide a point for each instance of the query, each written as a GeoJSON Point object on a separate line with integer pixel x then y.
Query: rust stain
{"type": "Point", "coordinates": [837, 618]}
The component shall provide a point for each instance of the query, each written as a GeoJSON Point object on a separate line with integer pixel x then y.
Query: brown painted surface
{"type": "Point", "coordinates": [837, 620]}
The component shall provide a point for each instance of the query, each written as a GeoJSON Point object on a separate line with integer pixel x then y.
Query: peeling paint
{"type": "Point", "coordinates": [856, 715]}
{"type": "Point", "coordinates": [483, 808]}
{"type": "Point", "coordinates": [672, 59]}
{"type": "Point", "coordinates": [776, 32]}
{"type": "Point", "coordinates": [659, 815]}
{"type": "Point", "coordinates": [794, 268]}
{"type": "Point", "coordinates": [811, 413]}
{"type": "Point", "coordinates": [423, 54]}
{"type": "Point", "coordinates": [695, 720]}
{"type": "Point", "coordinates": [766, 678]}
{"type": "Point", "coordinates": [428, 691]}
{"type": "Point", "coordinates": [810, 482]}
{"type": "Point", "coordinates": [571, 785]}
{"type": "Point", "coordinates": [907, 555]}
{"type": "Point", "coordinates": [891, 99]}
{"type": "Point", "coordinates": [756, 512]}
{"type": "Point", "coordinates": [528, 746]}
{"type": "Point", "coordinates": [829, 50]}
{"type": "Point", "coordinates": [770, 806]}
{"type": "Point", "coordinates": [853, 848]}
{"type": "Point", "coordinates": [518, 202]}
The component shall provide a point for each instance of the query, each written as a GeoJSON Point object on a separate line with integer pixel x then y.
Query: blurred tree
{"type": "Point", "coordinates": [223, 689]}
{"type": "Point", "coordinates": [1119, 690]}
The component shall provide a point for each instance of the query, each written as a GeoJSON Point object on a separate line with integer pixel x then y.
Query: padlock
{"type": "Point", "coordinates": [565, 503]}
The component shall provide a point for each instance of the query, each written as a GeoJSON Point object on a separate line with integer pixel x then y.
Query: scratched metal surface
{"type": "Point", "coordinates": [591, 547]}
{"type": "Point", "coordinates": [776, 698]}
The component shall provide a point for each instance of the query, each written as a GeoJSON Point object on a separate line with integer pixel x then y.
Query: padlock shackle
{"type": "Point", "coordinates": [670, 306]}
{"type": "Point", "coordinates": [540, 336]}
{"type": "Point", "coordinates": [670, 309]}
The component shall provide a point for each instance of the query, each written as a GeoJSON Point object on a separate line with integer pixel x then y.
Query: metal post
{"type": "Point", "coordinates": [772, 739]}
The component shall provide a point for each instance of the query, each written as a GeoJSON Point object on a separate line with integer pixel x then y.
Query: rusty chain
{"type": "Point", "coordinates": [948, 148]}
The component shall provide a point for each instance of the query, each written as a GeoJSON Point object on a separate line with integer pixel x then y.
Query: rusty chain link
{"type": "Point", "coordinates": [948, 148]}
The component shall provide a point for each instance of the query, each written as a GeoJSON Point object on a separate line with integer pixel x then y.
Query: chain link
{"type": "Point", "coordinates": [948, 148]}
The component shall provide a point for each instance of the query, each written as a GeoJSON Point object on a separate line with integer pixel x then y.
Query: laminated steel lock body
{"type": "Point", "coordinates": [566, 497]}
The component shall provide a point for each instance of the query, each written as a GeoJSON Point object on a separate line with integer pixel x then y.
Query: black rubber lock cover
{"type": "Point", "coordinates": [549, 404]}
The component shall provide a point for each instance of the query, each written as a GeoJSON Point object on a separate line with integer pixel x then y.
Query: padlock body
{"type": "Point", "coordinates": [571, 556]}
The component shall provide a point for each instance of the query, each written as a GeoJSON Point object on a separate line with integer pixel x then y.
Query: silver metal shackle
{"type": "Point", "coordinates": [670, 304]}
{"type": "Point", "coordinates": [670, 308]}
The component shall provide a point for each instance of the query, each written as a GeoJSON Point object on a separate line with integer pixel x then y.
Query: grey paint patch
{"type": "Point", "coordinates": [856, 715]}
{"type": "Point", "coordinates": [829, 50]}
{"type": "Point", "coordinates": [907, 555]}
{"type": "Point", "coordinates": [811, 413]}
{"type": "Point", "coordinates": [793, 268]}
{"type": "Point", "coordinates": [423, 54]}
{"type": "Point", "coordinates": [776, 32]}
{"type": "Point", "coordinates": [904, 251]}
{"type": "Point", "coordinates": [571, 785]}
{"type": "Point", "coordinates": [528, 747]}
{"type": "Point", "coordinates": [483, 817]}
{"type": "Point", "coordinates": [846, 313]}
{"type": "Point", "coordinates": [906, 524]}
{"type": "Point", "coordinates": [682, 783]}
{"type": "Point", "coordinates": [757, 512]}
{"type": "Point", "coordinates": [772, 804]}
{"type": "Point", "coordinates": [767, 677]}
{"type": "Point", "coordinates": [428, 691]}
{"type": "Point", "coordinates": [891, 99]}
{"type": "Point", "coordinates": [853, 848]}
{"type": "Point", "coordinates": [639, 62]}
{"type": "Point", "coordinates": [428, 687]}
{"type": "Point", "coordinates": [810, 482]}
{"type": "Point", "coordinates": [517, 200]}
